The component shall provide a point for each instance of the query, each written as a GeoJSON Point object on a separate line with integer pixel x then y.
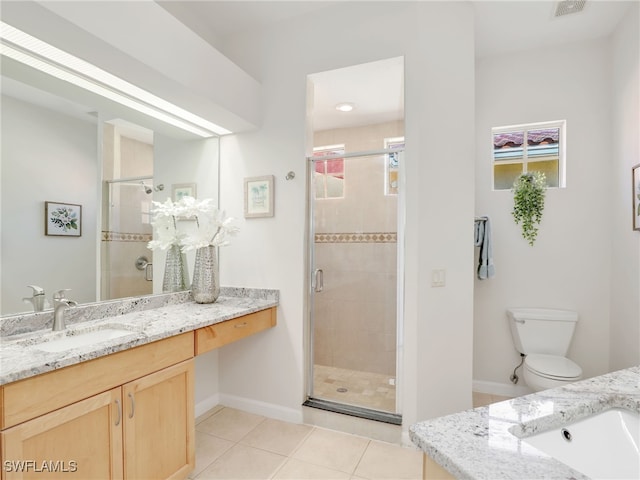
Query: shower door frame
{"type": "Point", "coordinates": [106, 212]}
{"type": "Point", "coordinates": [311, 401]}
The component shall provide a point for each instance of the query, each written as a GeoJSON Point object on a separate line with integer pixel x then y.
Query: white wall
{"type": "Point", "coordinates": [625, 144]}
{"type": "Point", "coordinates": [46, 156]}
{"type": "Point", "coordinates": [569, 267]}
{"type": "Point", "coordinates": [194, 161]}
{"type": "Point", "coordinates": [266, 372]}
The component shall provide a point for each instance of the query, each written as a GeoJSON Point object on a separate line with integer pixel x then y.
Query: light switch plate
{"type": "Point", "coordinates": [438, 277]}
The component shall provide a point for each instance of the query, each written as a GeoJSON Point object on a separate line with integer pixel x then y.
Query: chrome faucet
{"type": "Point", "coordinates": [37, 299]}
{"type": "Point", "coordinates": [61, 305]}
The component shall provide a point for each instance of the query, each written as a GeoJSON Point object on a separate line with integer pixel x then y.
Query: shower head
{"type": "Point", "coordinates": [147, 189]}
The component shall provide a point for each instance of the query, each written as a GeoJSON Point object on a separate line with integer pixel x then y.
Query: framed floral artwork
{"type": "Point", "coordinates": [635, 177]}
{"type": "Point", "coordinates": [181, 190]}
{"type": "Point", "coordinates": [258, 197]}
{"type": "Point", "coordinates": [62, 219]}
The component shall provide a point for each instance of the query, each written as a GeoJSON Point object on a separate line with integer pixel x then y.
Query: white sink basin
{"type": "Point", "coordinates": [82, 339]}
{"type": "Point", "coordinates": [604, 445]}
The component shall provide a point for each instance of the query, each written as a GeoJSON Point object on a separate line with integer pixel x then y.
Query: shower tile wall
{"type": "Point", "coordinates": [126, 229]}
{"type": "Point", "coordinates": [355, 315]}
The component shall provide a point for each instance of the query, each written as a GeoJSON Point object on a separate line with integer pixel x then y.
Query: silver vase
{"type": "Point", "coordinates": [176, 275]}
{"type": "Point", "coordinates": [205, 287]}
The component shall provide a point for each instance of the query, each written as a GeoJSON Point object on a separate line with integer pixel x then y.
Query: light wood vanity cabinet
{"type": "Point", "coordinates": [141, 429]}
{"type": "Point", "coordinates": [159, 428]}
{"type": "Point", "coordinates": [433, 471]}
{"type": "Point", "coordinates": [127, 415]}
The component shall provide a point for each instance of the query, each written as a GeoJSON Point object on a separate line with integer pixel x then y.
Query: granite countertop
{"type": "Point", "coordinates": [486, 442]}
{"type": "Point", "coordinates": [149, 318]}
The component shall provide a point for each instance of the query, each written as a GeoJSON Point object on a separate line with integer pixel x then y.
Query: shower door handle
{"type": "Point", "coordinates": [142, 263]}
{"type": "Point", "coordinates": [148, 272]}
{"type": "Point", "coordinates": [318, 280]}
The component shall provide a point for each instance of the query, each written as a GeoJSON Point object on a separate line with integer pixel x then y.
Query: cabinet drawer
{"type": "Point", "coordinates": [215, 336]}
{"type": "Point", "coordinates": [31, 397]}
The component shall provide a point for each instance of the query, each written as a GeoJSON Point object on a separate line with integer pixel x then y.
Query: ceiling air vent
{"type": "Point", "coordinates": [565, 7]}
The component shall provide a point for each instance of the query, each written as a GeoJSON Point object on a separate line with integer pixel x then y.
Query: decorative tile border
{"type": "Point", "coordinates": [108, 236]}
{"type": "Point", "coordinates": [373, 237]}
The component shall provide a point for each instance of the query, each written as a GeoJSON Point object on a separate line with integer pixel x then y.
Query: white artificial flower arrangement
{"type": "Point", "coordinates": [213, 227]}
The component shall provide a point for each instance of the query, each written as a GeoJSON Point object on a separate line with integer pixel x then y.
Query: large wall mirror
{"type": "Point", "coordinates": [99, 162]}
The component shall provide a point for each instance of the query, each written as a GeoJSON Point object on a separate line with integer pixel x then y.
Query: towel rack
{"type": "Point", "coordinates": [481, 219]}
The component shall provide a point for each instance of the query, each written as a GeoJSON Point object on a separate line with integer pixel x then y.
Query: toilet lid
{"type": "Point", "coordinates": [553, 366]}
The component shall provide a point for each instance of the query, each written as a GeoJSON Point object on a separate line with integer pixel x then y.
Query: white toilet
{"type": "Point", "coordinates": [544, 335]}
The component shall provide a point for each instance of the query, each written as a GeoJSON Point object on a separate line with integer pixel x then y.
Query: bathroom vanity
{"type": "Point", "coordinates": [490, 442]}
{"type": "Point", "coordinates": [121, 407]}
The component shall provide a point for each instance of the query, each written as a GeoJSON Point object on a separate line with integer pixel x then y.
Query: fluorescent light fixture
{"type": "Point", "coordinates": [345, 107]}
{"type": "Point", "coordinates": [35, 53]}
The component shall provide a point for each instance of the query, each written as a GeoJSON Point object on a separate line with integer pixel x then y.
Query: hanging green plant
{"type": "Point", "coordinates": [528, 203]}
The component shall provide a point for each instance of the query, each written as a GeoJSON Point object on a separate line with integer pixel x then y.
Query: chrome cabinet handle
{"type": "Point", "coordinates": [318, 276]}
{"type": "Point", "coordinates": [133, 405]}
{"type": "Point", "coordinates": [241, 325]}
{"type": "Point", "coordinates": [119, 412]}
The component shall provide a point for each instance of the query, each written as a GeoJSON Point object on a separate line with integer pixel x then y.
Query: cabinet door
{"type": "Point", "coordinates": [84, 438]}
{"type": "Point", "coordinates": [159, 430]}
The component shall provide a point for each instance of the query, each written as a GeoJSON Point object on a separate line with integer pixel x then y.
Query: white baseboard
{"type": "Point", "coordinates": [502, 389]}
{"type": "Point", "coordinates": [203, 406]}
{"type": "Point", "coordinates": [257, 407]}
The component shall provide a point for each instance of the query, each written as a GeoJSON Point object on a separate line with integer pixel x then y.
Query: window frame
{"type": "Point", "coordinates": [561, 125]}
{"type": "Point", "coordinates": [331, 149]}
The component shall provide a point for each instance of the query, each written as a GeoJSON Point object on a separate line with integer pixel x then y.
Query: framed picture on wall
{"type": "Point", "coordinates": [635, 176]}
{"type": "Point", "coordinates": [181, 190]}
{"type": "Point", "coordinates": [258, 197]}
{"type": "Point", "coordinates": [62, 219]}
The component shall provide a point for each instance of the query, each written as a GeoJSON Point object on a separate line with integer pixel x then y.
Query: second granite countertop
{"type": "Point", "coordinates": [487, 442]}
{"type": "Point", "coordinates": [20, 357]}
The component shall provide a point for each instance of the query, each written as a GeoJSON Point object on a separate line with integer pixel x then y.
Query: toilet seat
{"type": "Point", "coordinates": [553, 367]}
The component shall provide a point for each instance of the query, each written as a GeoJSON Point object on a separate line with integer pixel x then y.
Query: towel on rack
{"type": "Point", "coordinates": [483, 240]}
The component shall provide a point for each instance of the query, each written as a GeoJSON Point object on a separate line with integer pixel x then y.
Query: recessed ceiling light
{"type": "Point", "coordinates": [345, 107]}
{"type": "Point", "coordinates": [31, 51]}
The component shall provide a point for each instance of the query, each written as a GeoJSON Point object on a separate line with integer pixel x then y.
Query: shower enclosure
{"type": "Point", "coordinates": [126, 261]}
{"type": "Point", "coordinates": [356, 281]}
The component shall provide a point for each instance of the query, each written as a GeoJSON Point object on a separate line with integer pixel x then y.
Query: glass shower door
{"type": "Point", "coordinates": [126, 260]}
{"type": "Point", "coordinates": [354, 299]}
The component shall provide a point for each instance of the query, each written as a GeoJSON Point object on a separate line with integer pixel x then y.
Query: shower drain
{"type": "Point", "coordinates": [342, 390]}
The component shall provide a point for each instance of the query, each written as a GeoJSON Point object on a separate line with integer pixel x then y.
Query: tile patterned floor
{"type": "Point", "coordinates": [232, 444]}
{"type": "Point", "coordinates": [364, 389]}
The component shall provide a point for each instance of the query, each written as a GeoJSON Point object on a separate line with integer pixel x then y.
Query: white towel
{"type": "Point", "coordinates": [483, 240]}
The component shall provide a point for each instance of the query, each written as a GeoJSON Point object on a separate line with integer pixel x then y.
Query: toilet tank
{"type": "Point", "coordinates": [542, 330]}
